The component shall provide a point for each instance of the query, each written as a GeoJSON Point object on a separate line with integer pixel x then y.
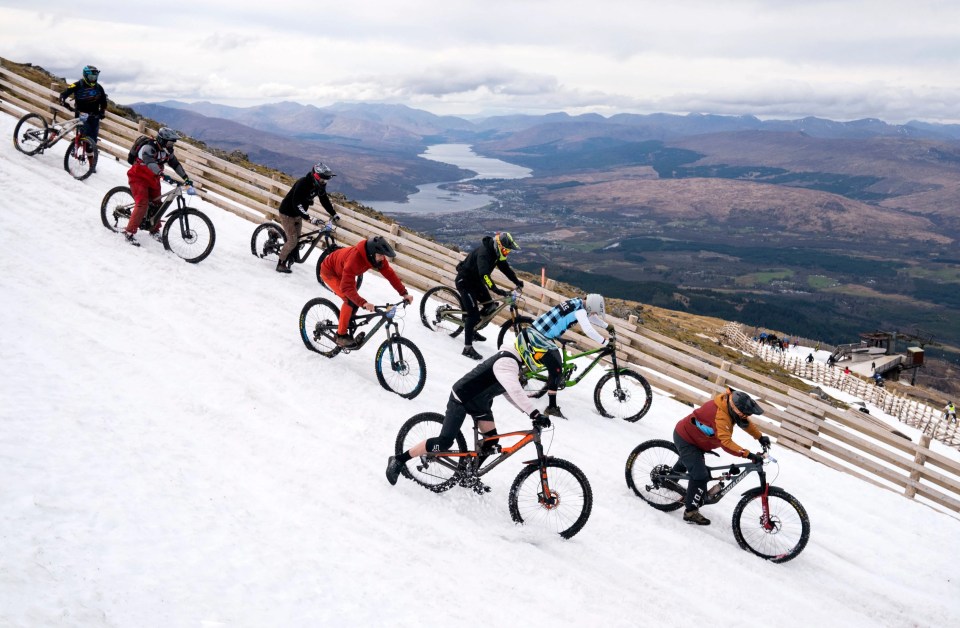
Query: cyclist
{"type": "Point", "coordinates": [294, 206]}
{"type": "Point", "coordinates": [144, 177]}
{"type": "Point", "coordinates": [473, 394]}
{"type": "Point", "coordinates": [950, 412]}
{"type": "Point", "coordinates": [90, 98]}
{"type": "Point", "coordinates": [589, 313]}
{"type": "Point", "coordinates": [340, 270]}
{"type": "Point", "coordinates": [706, 428]}
{"type": "Point", "coordinates": [474, 283]}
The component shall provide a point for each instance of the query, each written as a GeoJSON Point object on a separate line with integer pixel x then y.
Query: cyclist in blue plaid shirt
{"type": "Point", "coordinates": [551, 324]}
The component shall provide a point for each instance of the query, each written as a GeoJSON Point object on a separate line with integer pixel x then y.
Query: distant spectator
{"type": "Point", "coordinates": [950, 412]}
{"type": "Point", "coordinates": [809, 358]}
{"type": "Point", "coordinates": [846, 370]}
{"type": "Point", "coordinates": [878, 379]}
{"type": "Point", "coordinates": [832, 360]}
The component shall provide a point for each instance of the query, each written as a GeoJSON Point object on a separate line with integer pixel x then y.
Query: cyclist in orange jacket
{"type": "Point", "coordinates": [708, 427]}
{"type": "Point", "coordinates": [340, 270]}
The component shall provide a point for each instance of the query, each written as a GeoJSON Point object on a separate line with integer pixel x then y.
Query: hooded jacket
{"type": "Point", "coordinates": [345, 264]}
{"type": "Point", "coordinates": [476, 267]}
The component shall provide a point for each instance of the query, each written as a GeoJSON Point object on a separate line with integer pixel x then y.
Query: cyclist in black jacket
{"type": "Point", "coordinates": [474, 283]}
{"type": "Point", "coordinates": [473, 394]}
{"type": "Point", "coordinates": [88, 97]}
{"type": "Point", "coordinates": [294, 206]}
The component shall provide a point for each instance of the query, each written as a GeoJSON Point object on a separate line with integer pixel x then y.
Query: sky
{"type": "Point", "coordinates": [173, 456]}
{"type": "Point", "coordinates": [895, 60]}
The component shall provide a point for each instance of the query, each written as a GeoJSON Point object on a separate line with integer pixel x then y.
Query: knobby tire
{"type": "Point", "coordinates": [433, 475]}
{"type": "Point", "coordinates": [565, 511]}
{"type": "Point", "coordinates": [406, 373]}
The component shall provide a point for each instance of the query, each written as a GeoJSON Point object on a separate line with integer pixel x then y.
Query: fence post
{"type": "Point", "coordinates": [721, 379]}
{"type": "Point", "coordinates": [920, 458]}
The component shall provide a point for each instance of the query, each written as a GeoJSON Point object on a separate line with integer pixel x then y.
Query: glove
{"type": "Point", "coordinates": [755, 458]}
{"type": "Point", "coordinates": [316, 221]}
{"type": "Point", "coordinates": [336, 218]}
{"type": "Point", "coordinates": [764, 442]}
{"type": "Point", "coordinates": [167, 178]}
{"type": "Point", "coordinates": [519, 285]}
{"type": "Point", "coordinates": [539, 420]}
{"type": "Point", "coordinates": [102, 115]}
{"type": "Point", "coordinates": [187, 182]}
{"type": "Point", "coordinates": [610, 328]}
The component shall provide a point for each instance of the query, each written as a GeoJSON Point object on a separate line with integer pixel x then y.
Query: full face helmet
{"type": "Point", "coordinates": [505, 244]}
{"type": "Point", "coordinates": [321, 173]}
{"type": "Point", "coordinates": [378, 244]}
{"type": "Point", "coordinates": [532, 346]}
{"type": "Point", "coordinates": [742, 406]}
{"type": "Point", "coordinates": [90, 74]}
{"type": "Point", "coordinates": [595, 306]}
{"type": "Point", "coordinates": [167, 136]}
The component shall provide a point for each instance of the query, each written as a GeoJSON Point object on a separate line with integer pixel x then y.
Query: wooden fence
{"type": "Point", "coordinates": [845, 440]}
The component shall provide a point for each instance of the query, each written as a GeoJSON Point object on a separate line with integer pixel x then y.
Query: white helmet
{"type": "Point", "coordinates": [594, 305]}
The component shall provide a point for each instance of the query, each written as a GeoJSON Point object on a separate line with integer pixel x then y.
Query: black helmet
{"type": "Point", "coordinates": [90, 73]}
{"type": "Point", "coordinates": [379, 244]}
{"type": "Point", "coordinates": [744, 406]}
{"type": "Point", "coordinates": [321, 173]}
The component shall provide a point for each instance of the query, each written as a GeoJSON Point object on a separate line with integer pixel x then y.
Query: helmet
{"type": "Point", "coordinates": [594, 305]}
{"type": "Point", "coordinates": [166, 135]}
{"type": "Point", "coordinates": [378, 244]}
{"type": "Point", "coordinates": [505, 244]}
{"type": "Point", "coordinates": [321, 173]}
{"type": "Point", "coordinates": [532, 346]}
{"type": "Point", "coordinates": [744, 405]}
{"type": "Point", "coordinates": [90, 73]}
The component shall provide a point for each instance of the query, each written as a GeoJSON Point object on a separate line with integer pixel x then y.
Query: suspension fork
{"type": "Point", "coordinates": [547, 497]}
{"type": "Point", "coordinates": [765, 519]}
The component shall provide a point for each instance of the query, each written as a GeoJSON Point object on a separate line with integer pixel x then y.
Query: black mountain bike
{"type": "Point", "coordinates": [442, 311]}
{"type": "Point", "coordinates": [187, 231]}
{"type": "Point", "coordinates": [621, 393]}
{"type": "Point", "coordinates": [549, 492]}
{"type": "Point", "coordinates": [767, 521]}
{"type": "Point", "coordinates": [34, 135]}
{"type": "Point", "coordinates": [399, 364]}
{"type": "Point", "coordinates": [269, 238]}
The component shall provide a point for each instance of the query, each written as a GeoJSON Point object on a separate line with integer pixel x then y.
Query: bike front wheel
{"type": "Point", "coordinates": [327, 251]}
{"type": "Point", "coordinates": [267, 240]}
{"type": "Point", "coordinates": [400, 367]}
{"type": "Point", "coordinates": [646, 467]}
{"type": "Point", "coordinates": [81, 158]}
{"type": "Point", "coordinates": [777, 538]}
{"type": "Point", "coordinates": [31, 134]}
{"type": "Point", "coordinates": [318, 326]}
{"type": "Point", "coordinates": [189, 234]}
{"type": "Point", "coordinates": [623, 395]}
{"type": "Point", "coordinates": [116, 207]}
{"type": "Point", "coordinates": [441, 311]}
{"type": "Point", "coordinates": [510, 329]}
{"type": "Point", "coordinates": [430, 473]}
{"type": "Point", "coordinates": [559, 500]}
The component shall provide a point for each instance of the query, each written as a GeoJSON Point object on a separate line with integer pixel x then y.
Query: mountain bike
{"type": "Point", "coordinates": [269, 238]}
{"type": "Point", "coordinates": [621, 393]}
{"type": "Point", "coordinates": [399, 364]}
{"type": "Point", "coordinates": [187, 231]}
{"type": "Point", "coordinates": [34, 135]}
{"type": "Point", "coordinates": [549, 492]}
{"type": "Point", "coordinates": [441, 310]}
{"type": "Point", "coordinates": [767, 521]}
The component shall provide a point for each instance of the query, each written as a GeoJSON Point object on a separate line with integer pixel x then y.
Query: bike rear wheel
{"type": "Point", "coordinates": [116, 207]}
{"type": "Point", "coordinates": [189, 234]}
{"type": "Point", "coordinates": [267, 240]}
{"type": "Point", "coordinates": [646, 465]}
{"type": "Point", "coordinates": [624, 395]}
{"type": "Point", "coordinates": [400, 367]}
{"type": "Point", "coordinates": [510, 329]}
{"type": "Point", "coordinates": [778, 539]}
{"type": "Point", "coordinates": [31, 134]}
{"type": "Point", "coordinates": [442, 311]}
{"type": "Point", "coordinates": [327, 251]}
{"type": "Point", "coordinates": [564, 510]}
{"type": "Point", "coordinates": [318, 326]}
{"type": "Point", "coordinates": [428, 472]}
{"type": "Point", "coordinates": [81, 158]}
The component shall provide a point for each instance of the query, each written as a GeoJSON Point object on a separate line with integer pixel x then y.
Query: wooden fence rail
{"type": "Point", "coordinates": [845, 440]}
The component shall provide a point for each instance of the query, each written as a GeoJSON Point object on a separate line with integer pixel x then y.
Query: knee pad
{"type": "Point", "coordinates": [438, 443]}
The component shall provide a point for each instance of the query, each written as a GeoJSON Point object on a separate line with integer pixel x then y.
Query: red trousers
{"type": "Point", "coordinates": [145, 187]}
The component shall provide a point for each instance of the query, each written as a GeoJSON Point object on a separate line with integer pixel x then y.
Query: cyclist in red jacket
{"type": "Point", "coordinates": [708, 427]}
{"type": "Point", "coordinates": [340, 270]}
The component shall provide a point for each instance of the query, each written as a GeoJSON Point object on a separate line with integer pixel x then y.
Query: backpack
{"type": "Point", "coordinates": [135, 149]}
